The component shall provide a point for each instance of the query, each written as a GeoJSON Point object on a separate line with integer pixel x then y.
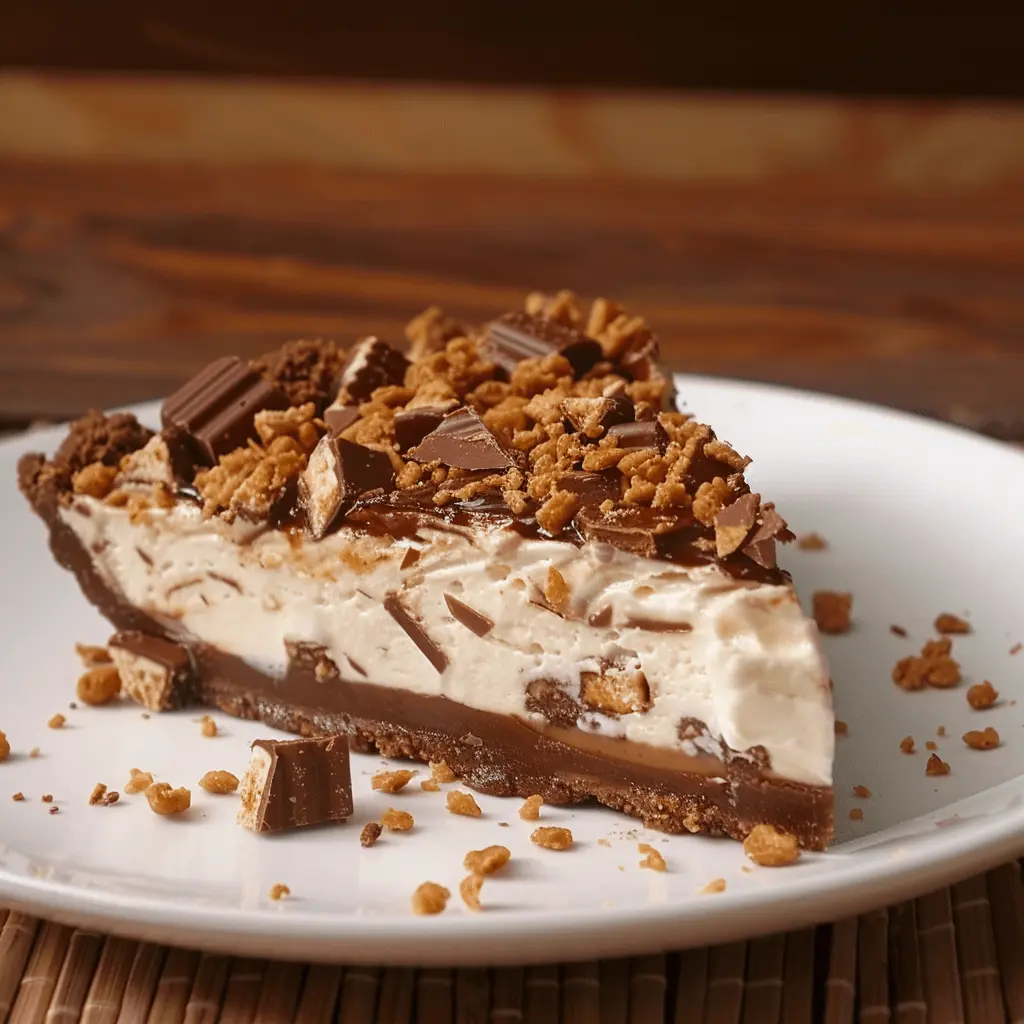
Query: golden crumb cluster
{"type": "Point", "coordinates": [935, 666]}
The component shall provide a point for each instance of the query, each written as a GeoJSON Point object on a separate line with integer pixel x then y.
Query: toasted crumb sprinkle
{"type": "Point", "coordinates": [856, 814]}
{"type": "Point", "coordinates": [278, 891]}
{"type": "Point", "coordinates": [396, 821]}
{"type": "Point", "coordinates": [18, 797]}
{"type": "Point", "coordinates": [392, 782]}
{"type": "Point", "coordinates": [469, 890]}
{"type": "Point", "coordinates": [936, 766]}
{"type": "Point", "coordinates": [653, 859]}
{"type": "Point", "coordinates": [604, 842]}
{"type": "Point", "coordinates": [982, 695]}
{"type": "Point", "coordinates": [841, 728]}
{"type": "Point", "coordinates": [459, 802]}
{"type": "Point", "coordinates": [139, 782]}
{"type": "Point", "coordinates": [552, 837]}
{"type": "Point", "coordinates": [441, 773]}
{"type": "Point", "coordinates": [949, 623]}
{"type": "Point", "coordinates": [97, 794]}
{"type": "Point", "coordinates": [99, 685]}
{"type": "Point", "coordinates": [862, 791]}
{"type": "Point", "coordinates": [91, 655]}
{"type": "Point", "coordinates": [486, 861]}
{"type": "Point", "coordinates": [57, 721]}
{"type": "Point", "coordinates": [812, 542]}
{"type": "Point", "coordinates": [430, 786]}
{"type": "Point", "coordinates": [530, 811]}
{"type": "Point", "coordinates": [556, 590]}
{"type": "Point", "coordinates": [907, 745]}
{"type": "Point", "coordinates": [5, 747]}
{"type": "Point", "coordinates": [47, 798]}
{"type": "Point", "coordinates": [34, 752]}
{"type": "Point", "coordinates": [770, 848]}
{"type": "Point", "coordinates": [167, 801]}
{"type": "Point", "coordinates": [715, 885]}
{"type": "Point", "coordinates": [430, 898]}
{"type": "Point", "coordinates": [832, 610]}
{"type": "Point", "coordinates": [940, 731]}
{"type": "Point", "coordinates": [935, 666]}
{"type": "Point", "coordinates": [208, 726]}
{"type": "Point", "coordinates": [897, 631]}
{"type": "Point", "coordinates": [982, 739]}
{"type": "Point", "coordinates": [370, 834]}
{"type": "Point", "coordinates": [219, 782]}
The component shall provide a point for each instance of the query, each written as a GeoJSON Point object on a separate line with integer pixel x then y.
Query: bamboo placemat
{"type": "Point", "coordinates": [954, 955]}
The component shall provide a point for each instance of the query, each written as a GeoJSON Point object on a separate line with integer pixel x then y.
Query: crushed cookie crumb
{"type": "Point", "coordinates": [861, 791]}
{"type": "Point", "coordinates": [370, 834]}
{"type": "Point", "coordinates": [715, 885]}
{"type": "Point", "coordinates": [931, 745]}
{"type": "Point", "coordinates": [897, 631]}
{"type": "Point", "coordinates": [556, 590]}
{"type": "Point", "coordinates": [907, 745]}
{"type": "Point", "coordinates": [208, 727]}
{"type": "Point", "coordinates": [57, 721]}
{"type": "Point", "coordinates": [47, 798]}
{"type": "Point", "coordinates": [935, 666]}
{"type": "Point", "coordinates": [139, 782]}
{"type": "Point", "coordinates": [936, 766]}
{"type": "Point", "coordinates": [18, 797]}
{"type": "Point", "coordinates": [430, 898]}
{"type": "Point", "coordinates": [278, 891]}
{"type": "Point", "coordinates": [841, 728]}
{"type": "Point", "coordinates": [5, 747]}
{"type": "Point", "coordinates": [487, 861]}
{"type": "Point", "coordinates": [459, 802]}
{"type": "Point", "coordinates": [856, 814]}
{"type": "Point", "coordinates": [982, 739]}
{"type": "Point", "coordinates": [530, 811]}
{"type": "Point", "coordinates": [166, 801]}
{"type": "Point", "coordinates": [430, 786]}
{"type": "Point", "coordinates": [982, 695]}
{"type": "Point", "coordinates": [940, 731]}
{"type": "Point", "coordinates": [551, 837]}
{"type": "Point", "coordinates": [832, 610]}
{"type": "Point", "coordinates": [948, 623]}
{"type": "Point", "coordinates": [652, 860]}
{"type": "Point", "coordinates": [812, 542]}
{"type": "Point", "coordinates": [392, 782]}
{"type": "Point", "coordinates": [396, 821]}
{"type": "Point", "coordinates": [440, 772]}
{"type": "Point", "coordinates": [98, 685]}
{"type": "Point", "coordinates": [92, 655]}
{"type": "Point", "coordinates": [469, 890]}
{"type": "Point", "coordinates": [219, 782]}
{"type": "Point", "coordinates": [770, 848]}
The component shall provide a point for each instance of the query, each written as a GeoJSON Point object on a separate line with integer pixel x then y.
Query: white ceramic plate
{"type": "Point", "coordinates": [921, 518]}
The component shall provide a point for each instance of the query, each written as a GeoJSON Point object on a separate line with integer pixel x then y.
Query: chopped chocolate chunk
{"type": "Point", "coordinates": [517, 336]}
{"type": "Point", "coordinates": [761, 546]}
{"type": "Point", "coordinates": [733, 524]}
{"type": "Point", "coordinates": [412, 425]}
{"type": "Point", "coordinates": [593, 416]}
{"type": "Point", "coordinates": [463, 442]}
{"type": "Point", "coordinates": [216, 407]}
{"type": "Point", "coordinates": [338, 472]}
{"type": "Point", "coordinates": [590, 488]}
{"type": "Point", "coordinates": [602, 618]}
{"type": "Point", "coordinates": [293, 783]}
{"type": "Point", "coordinates": [155, 672]}
{"type": "Point", "coordinates": [633, 529]}
{"type": "Point", "coordinates": [339, 417]}
{"type": "Point", "coordinates": [474, 621]}
{"type": "Point", "coordinates": [638, 436]}
{"type": "Point", "coordinates": [416, 633]}
{"type": "Point", "coordinates": [371, 364]}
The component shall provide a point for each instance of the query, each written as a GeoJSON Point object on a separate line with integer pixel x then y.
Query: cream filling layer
{"type": "Point", "coordinates": [741, 658]}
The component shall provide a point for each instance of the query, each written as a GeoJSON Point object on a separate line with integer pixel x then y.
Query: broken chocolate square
{"type": "Point", "coordinates": [517, 336]}
{"type": "Point", "coordinates": [733, 524]}
{"type": "Point", "coordinates": [637, 436]}
{"type": "Point", "coordinates": [155, 673]}
{"type": "Point", "coordinates": [371, 364]}
{"type": "Point", "coordinates": [593, 416]}
{"type": "Point", "coordinates": [339, 417]}
{"type": "Point", "coordinates": [294, 783]}
{"type": "Point", "coordinates": [463, 441]}
{"type": "Point", "coordinates": [634, 529]}
{"type": "Point", "coordinates": [412, 425]}
{"type": "Point", "coordinates": [591, 488]}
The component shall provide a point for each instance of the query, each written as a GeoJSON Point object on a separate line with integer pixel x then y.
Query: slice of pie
{"type": "Point", "coordinates": [505, 550]}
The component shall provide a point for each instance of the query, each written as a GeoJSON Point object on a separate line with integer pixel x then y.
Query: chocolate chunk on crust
{"type": "Point", "coordinates": [463, 441]}
{"type": "Point", "coordinates": [371, 364]}
{"type": "Point", "coordinates": [155, 672]}
{"type": "Point", "coordinates": [294, 783]}
{"type": "Point", "coordinates": [517, 336]}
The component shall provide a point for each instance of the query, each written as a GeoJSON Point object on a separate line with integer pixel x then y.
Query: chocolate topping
{"type": "Point", "coordinates": [761, 547]}
{"type": "Point", "coordinates": [474, 621]}
{"type": "Point", "coordinates": [591, 417]}
{"type": "Point", "coordinates": [635, 436]}
{"type": "Point", "coordinates": [463, 442]}
{"type": "Point", "coordinates": [412, 425]}
{"type": "Point", "coordinates": [416, 633]}
{"type": "Point", "coordinates": [591, 488]}
{"type": "Point", "coordinates": [306, 783]}
{"type": "Point", "coordinates": [371, 364]}
{"type": "Point", "coordinates": [635, 529]}
{"type": "Point", "coordinates": [517, 336]}
{"type": "Point", "coordinates": [340, 417]}
{"type": "Point", "coordinates": [216, 407]}
{"type": "Point", "coordinates": [733, 523]}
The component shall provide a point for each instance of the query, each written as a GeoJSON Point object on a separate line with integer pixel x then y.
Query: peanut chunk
{"type": "Point", "coordinates": [396, 821]}
{"type": "Point", "coordinates": [486, 861]}
{"type": "Point", "coordinates": [982, 739]}
{"type": "Point", "coordinates": [208, 726]}
{"type": "Point", "coordinates": [530, 811]}
{"type": "Point", "coordinates": [430, 898]}
{"type": "Point", "coordinates": [769, 847]}
{"type": "Point", "coordinates": [219, 782]}
{"type": "Point", "coordinates": [99, 685]}
{"type": "Point", "coordinates": [653, 859]}
{"type": "Point", "coordinates": [392, 782]}
{"type": "Point", "coordinates": [459, 802]}
{"type": "Point", "coordinates": [167, 801]}
{"type": "Point", "coordinates": [57, 721]}
{"type": "Point", "coordinates": [552, 837]}
{"type": "Point", "coordinates": [370, 834]}
{"type": "Point", "coordinates": [469, 890]}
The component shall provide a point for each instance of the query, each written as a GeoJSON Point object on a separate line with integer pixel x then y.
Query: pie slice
{"type": "Point", "coordinates": [505, 550]}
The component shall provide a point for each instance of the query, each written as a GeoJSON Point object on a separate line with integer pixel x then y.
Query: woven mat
{"type": "Point", "coordinates": [956, 955]}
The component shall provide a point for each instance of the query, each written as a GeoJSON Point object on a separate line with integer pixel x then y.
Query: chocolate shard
{"type": "Point", "coordinates": [517, 336]}
{"type": "Point", "coordinates": [155, 673]}
{"type": "Point", "coordinates": [412, 425]}
{"type": "Point", "coordinates": [593, 416]}
{"type": "Point", "coordinates": [591, 488]}
{"type": "Point", "coordinates": [476, 622]}
{"type": "Point", "coordinates": [634, 529]}
{"type": "Point", "coordinates": [761, 546]}
{"type": "Point", "coordinates": [733, 524]}
{"type": "Point", "coordinates": [416, 633]}
{"type": "Point", "coordinates": [337, 473]}
{"type": "Point", "coordinates": [215, 409]}
{"type": "Point", "coordinates": [464, 442]}
{"type": "Point", "coordinates": [636, 436]}
{"type": "Point", "coordinates": [295, 783]}
{"type": "Point", "coordinates": [340, 417]}
{"type": "Point", "coordinates": [371, 364]}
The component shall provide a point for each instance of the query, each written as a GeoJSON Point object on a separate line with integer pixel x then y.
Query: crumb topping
{"type": "Point", "coordinates": [469, 890]}
{"type": "Point", "coordinates": [430, 898]}
{"type": "Point", "coordinates": [139, 781]}
{"type": "Point", "coordinates": [715, 885]}
{"type": "Point", "coordinates": [370, 833]}
{"type": "Point", "coordinates": [551, 837]}
{"type": "Point", "coordinates": [56, 721]}
{"type": "Point", "coordinates": [459, 802]}
{"type": "Point", "coordinates": [652, 859]}
{"type": "Point", "coordinates": [861, 791]}
{"type": "Point", "coordinates": [207, 726]}
{"type": "Point", "coordinates": [841, 728]}
{"type": "Point", "coordinates": [936, 766]}
{"type": "Point", "coordinates": [99, 685]}
{"type": "Point", "coordinates": [949, 623]}
{"type": "Point", "coordinates": [982, 695]}
{"type": "Point", "coordinates": [396, 821]}
{"type": "Point", "coordinates": [907, 745]}
{"type": "Point", "coordinates": [278, 891]}
{"type": "Point", "coordinates": [832, 611]}
{"type": "Point", "coordinates": [935, 666]}
{"type": "Point", "coordinates": [856, 814]}
{"type": "Point", "coordinates": [392, 782]}
{"type": "Point", "coordinates": [441, 773]}
{"type": "Point", "coordinates": [219, 782]}
{"type": "Point", "coordinates": [5, 747]}
{"type": "Point", "coordinates": [769, 847]}
{"type": "Point", "coordinates": [166, 801]}
{"type": "Point", "coordinates": [982, 739]}
{"type": "Point", "coordinates": [812, 542]}
{"type": "Point", "coordinates": [530, 811]}
{"type": "Point", "coordinates": [487, 861]}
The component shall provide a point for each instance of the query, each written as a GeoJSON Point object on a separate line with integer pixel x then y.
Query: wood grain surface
{"type": "Point", "coordinates": [869, 250]}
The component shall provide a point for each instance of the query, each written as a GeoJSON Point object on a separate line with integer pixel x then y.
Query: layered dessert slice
{"type": "Point", "coordinates": [505, 550]}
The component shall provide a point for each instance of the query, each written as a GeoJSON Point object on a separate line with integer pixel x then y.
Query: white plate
{"type": "Point", "coordinates": [921, 518]}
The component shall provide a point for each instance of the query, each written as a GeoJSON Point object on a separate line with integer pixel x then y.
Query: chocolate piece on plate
{"type": "Point", "coordinates": [412, 425]}
{"type": "Point", "coordinates": [591, 488]}
{"type": "Point", "coordinates": [635, 436]}
{"type": "Point", "coordinates": [464, 442]}
{"type": "Point", "coordinates": [517, 336]}
{"type": "Point", "coordinates": [294, 783]}
{"type": "Point", "coordinates": [216, 407]}
{"type": "Point", "coordinates": [339, 417]}
{"type": "Point", "coordinates": [338, 472]}
{"type": "Point", "coordinates": [154, 672]}
{"type": "Point", "coordinates": [371, 364]}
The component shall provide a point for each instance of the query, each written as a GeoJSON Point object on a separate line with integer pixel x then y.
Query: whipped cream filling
{"type": "Point", "coordinates": [742, 658]}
